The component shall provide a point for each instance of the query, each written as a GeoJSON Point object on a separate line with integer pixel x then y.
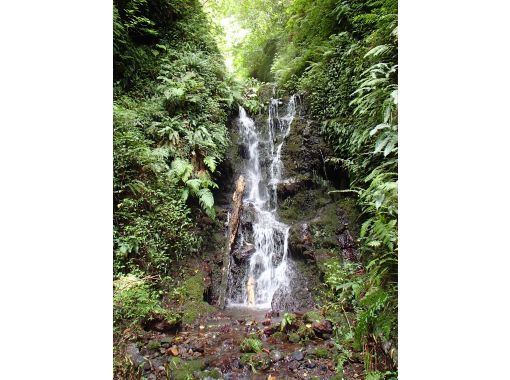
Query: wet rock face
{"type": "Point", "coordinates": [295, 297]}
{"type": "Point", "coordinates": [300, 239]}
{"type": "Point", "coordinates": [304, 150]}
{"type": "Point", "coordinates": [291, 186]}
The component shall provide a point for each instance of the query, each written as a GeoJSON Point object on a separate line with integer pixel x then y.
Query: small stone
{"type": "Point", "coordinates": [298, 355]}
{"type": "Point", "coordinates": [276, 356]}
{"type": "Point", "coordinates": [323, 327]}
{"type": "Point", "coordinates": [294, 365]}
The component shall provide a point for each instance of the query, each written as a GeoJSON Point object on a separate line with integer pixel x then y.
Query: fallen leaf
{"type": "Point", "coordinates": [271, 377]}
{"type": "Point", "coordinates": [173, 350]}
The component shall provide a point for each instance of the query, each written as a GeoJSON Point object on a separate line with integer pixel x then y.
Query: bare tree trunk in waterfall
{"type": "Point", "coordinates": [237, 204]}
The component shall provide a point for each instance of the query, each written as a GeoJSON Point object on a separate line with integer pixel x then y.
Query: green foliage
{"type": "Point", "coordinates": [134, 302]}
{"type": "Point", "coordinates": [251, 344]}
{"type": "Point", "coordinates": [287, 320]}
{"type": "Point", "coordinates": [171, 101]}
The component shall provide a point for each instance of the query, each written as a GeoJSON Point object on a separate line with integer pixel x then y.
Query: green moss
{"type": "Point", "coordinates": [321, 352]}
{"type": "Point", "coordinates": [210, 374]}
{"type": "Point", "coordinates": [193, 310]}
{"type": "Point", "coordinates": [251, 345]}
{"type": "Point", "coordinates": [153, 345]}
{"type": "Point", "coordinates": [246, 359]}
{"type": "Point", "coordinates": [312, 316]}
{"type": "Point", "coordinates": [279, 336]}
{"type": "Point", "coordinates": [192, 293]}
{"type": "Point", "coordinates": [305, 333]}
{"type": "Point", "coordinates": [294, 337]}
{"type": "Point", "coordinates": [193, 288]}
{"type": "Point", "coordinates": [183, 370]}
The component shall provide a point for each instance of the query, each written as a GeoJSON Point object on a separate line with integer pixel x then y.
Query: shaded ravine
{"type": "Point", "coordinates": [212, 345]}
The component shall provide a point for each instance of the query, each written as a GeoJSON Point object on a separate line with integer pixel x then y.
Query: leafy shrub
{"type": "Point", "coordinates": [288, 320]}
{"type": "Point", "coordinates": [134, 302]}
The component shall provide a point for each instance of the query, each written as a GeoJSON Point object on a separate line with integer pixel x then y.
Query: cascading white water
{"type": "Point", "coordinates": [267, 268]}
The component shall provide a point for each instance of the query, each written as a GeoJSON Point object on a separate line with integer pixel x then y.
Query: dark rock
{"type": "Point", "coordinates": [294, 365]}
{"type": "Point", "coordinates": [270, 330]}
{"type": "Point", "coordinates": [298, 355]}
{"type": "Point", "coordinates": [134, 355]}
{"type": "Point", "coordinates": [310, 364]}
{"type": "Point", "coordinates": [166, 339]}
{"type": "Point", "coordinates": [244, 252]}
{"type": "Point", "coordinates": [323, 327]}
{"type": "Point", "coordinates": [266, 322]}
{"type": "Point", "coordinates": [300, 239]}
{"type": "Point", "coordinates": [291, 186]}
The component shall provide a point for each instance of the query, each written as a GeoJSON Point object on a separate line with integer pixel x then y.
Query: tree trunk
{"type": "Point", "coordinates": [237, 204]}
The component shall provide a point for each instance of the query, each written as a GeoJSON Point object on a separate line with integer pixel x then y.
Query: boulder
{"type": "Point", "coordinates": [300, 238]}
{"type": "Point", "coordinates": [323, 328]}
{"type": "Point", "coordinates": [133, 354]}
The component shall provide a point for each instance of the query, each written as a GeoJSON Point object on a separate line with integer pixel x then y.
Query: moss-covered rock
{"type": "Point", "coordinates": [209, 374]}
{"type": "Point", "coordinates": [294, 337]}
{"type": "Point", "coordinates": [312, 316]}
{"type": "Point", "coordinates": [184, 369]}
{"type": "Point", "coordinates": [321, 352]}
{"type": "Point", "coordinates": [154, 345]}
{"type": "Point", "coordinates": [192, 293]}
{"type": "Point", "coordinates": [279, 336]}
{"type": "Point", "coordinates": [305, 333]}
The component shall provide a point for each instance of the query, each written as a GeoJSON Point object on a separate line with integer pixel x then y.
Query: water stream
{"type": "Point", "coordinates": [268, 269]}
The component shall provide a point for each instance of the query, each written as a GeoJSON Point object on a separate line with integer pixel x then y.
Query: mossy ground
{"type": "Point", "coordinates": [194, 305]}
{"type": "Point", "coordinates": [179, 369]}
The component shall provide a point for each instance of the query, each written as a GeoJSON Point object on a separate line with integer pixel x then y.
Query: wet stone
{"type": "Point", "coordinates": [294, 365]}
{"type": "Point", "coordinates": [276, 356]}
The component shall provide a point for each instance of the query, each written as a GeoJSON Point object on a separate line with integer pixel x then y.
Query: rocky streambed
{"type": "Point", "coordinates": [243, 344]}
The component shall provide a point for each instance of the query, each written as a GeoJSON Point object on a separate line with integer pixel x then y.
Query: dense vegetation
{"type": "Point", "coordinates": [172, 98]}
{"type": "Point", "coordinates": [171, 102]}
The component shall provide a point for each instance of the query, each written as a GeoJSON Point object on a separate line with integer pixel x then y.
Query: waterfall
{"type": "Point", "coordinates": [267, 269]}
